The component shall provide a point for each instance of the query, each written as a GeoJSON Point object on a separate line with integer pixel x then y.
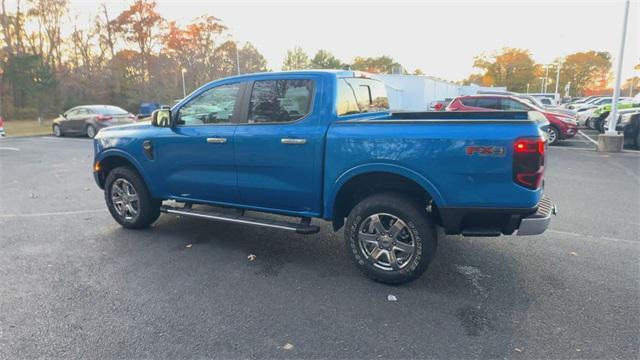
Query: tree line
{"type": "Point", "coordinates": [137, 56]}
{"type": "Point", "coordinates": [121, 59]}
{"type": "Point", "coordinates": [581, 73]}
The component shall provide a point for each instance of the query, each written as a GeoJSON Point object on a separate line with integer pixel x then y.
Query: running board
{"type": "Point", "coordinates": [304, 227]}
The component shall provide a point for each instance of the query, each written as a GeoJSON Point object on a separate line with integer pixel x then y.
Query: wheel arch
{"type": "Point", "coordinates": [362, 181]}
{"type": "Point", "coordinates": [112, 159]}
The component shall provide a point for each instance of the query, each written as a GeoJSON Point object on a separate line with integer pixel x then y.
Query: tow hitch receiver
{"type": "Point", "coordinates": [304, 227]}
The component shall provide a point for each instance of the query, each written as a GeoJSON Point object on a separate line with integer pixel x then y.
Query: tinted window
{"type": "Point", "coordinates": [371, 95]}
{"type": "Point", "coordinates": [468, 101]}
{"type": "Point", "coordinates": [545, 101]}
{"type": "Point", "coordinates": [487, 103]}
{"type": "Point", "coordinates": [280, 100]}
{"type": "Point", "coordinates": [347, 103]}
{"type": "Point", "coordinates": [214, 106]}
{"type": "Point", "coordinates": [512, 105]}
{"type": "Point", "coordinates": [604, 101]}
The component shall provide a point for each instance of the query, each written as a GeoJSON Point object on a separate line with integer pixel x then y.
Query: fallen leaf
{"type": "Point", "coordinates": [518, 350]}
{"type": "Point", "coordinates": [251, 257]}
{"type": "Point", "coordinates": [188, 246]}
{"type": "Point", "coordinates": [287, 346]}
{"type": "Point", "coordinates": [573, 253]}
{"type": "Point", "coordinates": [392, 298]}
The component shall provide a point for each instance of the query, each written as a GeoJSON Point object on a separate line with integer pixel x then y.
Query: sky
{"type": "Point", "coordinates": [439, 37]}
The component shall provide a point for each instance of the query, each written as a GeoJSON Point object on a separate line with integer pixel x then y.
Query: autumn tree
{"type": "Point", "coordinates": [586, 71]}
{"type": "Point", "coordinates": [296, 59]}
{"type": "Point", "coordinates": [418, 72]}
{"type": "Point", "coordinates": [140, 25]}
{"type": "Point", "coordinates": [325, 60]}
{"type": "Point", "coordinates": [510, 67]}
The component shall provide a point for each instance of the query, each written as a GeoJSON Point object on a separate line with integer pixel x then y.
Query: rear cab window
{"type": "Point", "coordinates": [359, 95]}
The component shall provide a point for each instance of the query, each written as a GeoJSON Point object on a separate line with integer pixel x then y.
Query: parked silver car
{"type": "Point", "coordinates": [89, 119]}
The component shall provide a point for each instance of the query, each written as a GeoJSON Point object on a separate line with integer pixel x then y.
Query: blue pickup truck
{"type": "Point", "coordinates": [323, 144]}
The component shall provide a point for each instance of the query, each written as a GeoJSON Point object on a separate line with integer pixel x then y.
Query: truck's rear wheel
{"type": "Point", "coordinates": [390, 237]}
{"type": "Point", "coordinates": [129, 200]}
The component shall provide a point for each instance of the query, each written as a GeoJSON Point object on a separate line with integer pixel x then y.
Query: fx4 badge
{"type": "Point", "coordinates": [485, 150]}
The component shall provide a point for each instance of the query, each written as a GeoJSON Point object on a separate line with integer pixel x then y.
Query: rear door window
{"type": "Point", "coordinates": [468, 101]}
{"type": "Point", "coordinates": [512, 105]}
{"type": "Point", "coordinates": [280, 101]}
{"type": "Point", "coordinates": [487, 103]}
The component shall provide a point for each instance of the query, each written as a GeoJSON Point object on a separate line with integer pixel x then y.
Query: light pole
{"type": "Point", "coordinates": [237, 59]}
{"type": "Point", "coordinates": [184, 87]}
{"type": "Point", "coordinates": [546, 77]}
{"type": "Point", "coordinates": [527, 88]}
{"type": "Point", "coordinates": [558, 76]}
{"type": "Point", "coordinates": [616, 90]}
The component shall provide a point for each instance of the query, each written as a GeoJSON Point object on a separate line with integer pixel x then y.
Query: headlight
{"type": "Point", "coordinates": [567, 120]}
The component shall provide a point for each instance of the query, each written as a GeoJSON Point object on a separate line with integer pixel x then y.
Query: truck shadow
{"type": "Point", "coordinates": [472, 282]}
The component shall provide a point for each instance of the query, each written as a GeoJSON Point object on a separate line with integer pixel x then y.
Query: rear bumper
{"type": "Point", "coordinates": [539, 222]}
{"type": "Point", "coordinates": [497, 221]}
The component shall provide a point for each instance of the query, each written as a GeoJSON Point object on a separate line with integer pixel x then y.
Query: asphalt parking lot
{"type": "Point", "coordinates": [73, 284]}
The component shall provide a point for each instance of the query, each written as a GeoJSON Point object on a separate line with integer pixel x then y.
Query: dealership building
{"type": "Point", "coordinates": [417, 93]}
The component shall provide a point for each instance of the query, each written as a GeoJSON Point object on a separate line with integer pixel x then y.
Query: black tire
{"type": "Point", "coordinates": [418, 228]}
{"type": "Point", "coordinates": [91, 131]}
{"type": "Point", "coordinates": [57, 131]}
{"type": "Point", "coordinates": [554, 135]}
{"type": "Point", "coordinates": [587, 124]}
{"type": "Point", "coordinates": [638, 139]}
{"type": "Point", "coordinates": [148, 208]}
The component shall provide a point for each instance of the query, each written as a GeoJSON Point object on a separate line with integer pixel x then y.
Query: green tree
{"type": "Point", "coordinates": [325, 60]}
{"type": "Point", "coordinates": [381, 65]}
{"type": "Point", "coordinates": [251, 60]}
{"type": "Point", "coordinates": [296, 59]}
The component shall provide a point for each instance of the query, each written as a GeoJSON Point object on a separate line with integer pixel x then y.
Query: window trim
{"type": "Point", "coordinates": [247, 102]}
{"type": "Point", "coordinates": [237, 107]}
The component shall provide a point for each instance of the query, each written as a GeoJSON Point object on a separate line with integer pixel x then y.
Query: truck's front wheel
{"type": "Point", "coordinates": [129, 200]}
{"type": "Point", "coordinates": [390, 238]}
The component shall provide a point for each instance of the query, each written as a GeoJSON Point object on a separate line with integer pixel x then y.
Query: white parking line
{"type": "Point", "coordinates": [58, 213]}
{"type": "Point", "coordinates": [587, 137]}
{"type": "Point", "coordinates": [9, 148]}
{"type": "Point", "coordinates": [64, 139]}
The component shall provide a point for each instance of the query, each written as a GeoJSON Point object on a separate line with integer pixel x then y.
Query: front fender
{"type": "Point", "coordinates": [115, 152]}
{"type": "Point", "coordinates": [334, 188]}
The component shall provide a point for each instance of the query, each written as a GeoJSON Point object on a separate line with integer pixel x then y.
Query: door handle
{"type": "Point", "coordinates": [293, 141]}
{"type": "Point", "coordinates": [216, 140]}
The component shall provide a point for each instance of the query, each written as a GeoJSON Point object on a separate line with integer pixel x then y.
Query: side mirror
{"type": "Point", "coordinates": [161, 118]}
{"type": "Point", "coordinates": [63, 115]}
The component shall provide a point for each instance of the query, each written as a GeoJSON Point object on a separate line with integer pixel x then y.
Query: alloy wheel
{"type": "Point", "coordinates": [125, 200]}
{"type": "Point", "coordinates": [386, 241]}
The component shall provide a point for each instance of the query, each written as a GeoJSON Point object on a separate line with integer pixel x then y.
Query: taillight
{"type": "Point", "coordinates": [438, 106]}
{"type": "Point", "coordinates": [528, 162]}
{"type": "Point", "coordinates": [104, 117]}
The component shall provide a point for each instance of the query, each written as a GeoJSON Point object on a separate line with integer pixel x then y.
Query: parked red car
{"type": "Point", "coordinates": [560, 127]}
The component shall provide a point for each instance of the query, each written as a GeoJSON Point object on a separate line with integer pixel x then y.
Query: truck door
{"type": "Point", "coordinates": [196, 156]}
{"type": "Point", "coordinates": [279, 146]}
